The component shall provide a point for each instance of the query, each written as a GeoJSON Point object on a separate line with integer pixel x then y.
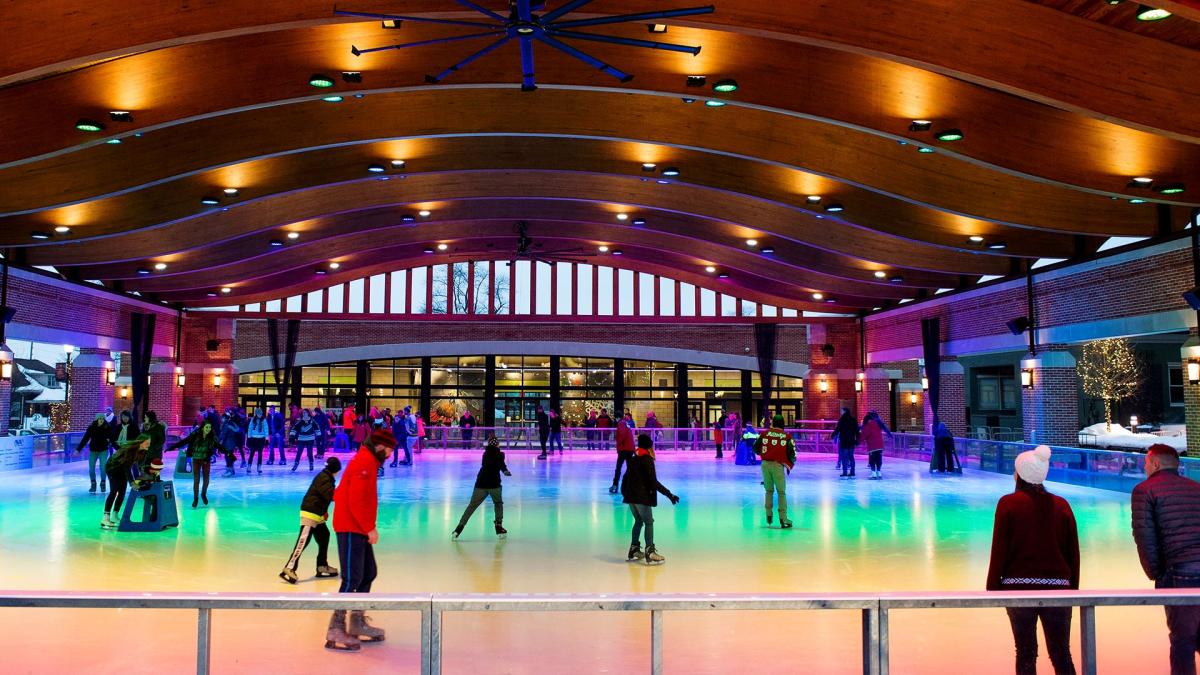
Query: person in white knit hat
{"type": "Point", "coordinates": [1035, 546]}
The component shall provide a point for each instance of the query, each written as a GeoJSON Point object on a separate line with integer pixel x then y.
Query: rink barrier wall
{"type": "Point", "coordinates": [875, 611]}
{"type": "Point", "coordinates": [38, 450]}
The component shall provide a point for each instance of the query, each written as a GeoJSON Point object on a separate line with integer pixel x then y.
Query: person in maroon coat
{"type": "Point", "coordinates": [1168, 542]}
{"type": "Point", "coordinates": [1035, 547]}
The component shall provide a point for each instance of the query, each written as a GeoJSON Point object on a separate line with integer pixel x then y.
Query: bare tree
{"type": "Point", "coordinates": [1109, 370]}
{"type": "Point", "coordinates": [450, 289]}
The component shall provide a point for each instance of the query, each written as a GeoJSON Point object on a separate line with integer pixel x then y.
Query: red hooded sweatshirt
{"type": "Point", "coordinates": [625, 441]}
{"type": "Point", "coordinates": [356, 500]}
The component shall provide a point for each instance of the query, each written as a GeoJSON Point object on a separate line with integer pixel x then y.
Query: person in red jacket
{"type": "Point", "coordinates": [1035, 546]}
{"type": "Point", "coordinates": [625, 449]}
{"type": "Point", "coordinates": [356, 504]}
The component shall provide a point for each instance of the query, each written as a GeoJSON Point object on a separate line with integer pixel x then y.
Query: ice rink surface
{"type": "Point", "coordinates": [910, 532]}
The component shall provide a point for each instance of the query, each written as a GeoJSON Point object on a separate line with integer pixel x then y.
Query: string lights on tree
{"type": "Point", "coordinates": [1109, 370]}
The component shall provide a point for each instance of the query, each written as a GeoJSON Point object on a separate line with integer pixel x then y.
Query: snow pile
{"type": "Point", "coordinates": [1121, 438]}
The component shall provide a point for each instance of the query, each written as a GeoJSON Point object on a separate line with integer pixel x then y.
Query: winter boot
{"type": "Point", "coordinates": [326, 572]}
{"type": "Point", "coordinates": [653, 557]}
{"type": "Point", "coordinates": [107, 522]}
{"type": "Point", "coordinates": [361, 629]}
{"type": "Point", "coordinates": [204, 498]}
{"type": "Point", "coordinates": [336, 637]}
{"type": "Point", "coordinates": [103, 487]}
{"type": "Point", "coordinates": [289, 576]}
{"type": "Point", "coordinates": [635, 553]}
{"type": "Point", "coordinates": [501, 532]}
{"type": "Point", "coordinates": [770, 519]}
{"type": "Point", "coordinates": [542, 456]}
{"type": "Point", "coordinates": [92, 490]}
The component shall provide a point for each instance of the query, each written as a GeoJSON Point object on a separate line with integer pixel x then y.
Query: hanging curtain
{"type": "Point", "coordinates": [765, 337]}
{"type": "Point", "coordinates": [931, 346]}
{"type": "Point", "coordinates": [283, 375]}
{"type": "Point", "coordinates": [141, 343]}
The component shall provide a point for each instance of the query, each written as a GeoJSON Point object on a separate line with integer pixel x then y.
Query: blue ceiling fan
{"type": "Point", "coordinates": [526, 26]}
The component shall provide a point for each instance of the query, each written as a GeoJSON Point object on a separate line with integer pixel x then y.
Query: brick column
{"type": "Point", "coordinates": [1191, 395]}
{"type": "Point", "coordinates": [820, 405]}
{"type": "Point", "coordinates": [166, 397]}
{"type": "Point", "coordinates": [90, 393]}
{"type": "Point", "coordinates": [1050, 408]}
{"type": "Point", "coordinates": [6, 356]}
{"type": "Point", "coordinates": [876, 395]}
{"type": "Point", "coordinates": [200, 389]}
{"type": "Point", "coordinates": [910, 416]}
{"type": "Point", "coordinates": [952, 402]}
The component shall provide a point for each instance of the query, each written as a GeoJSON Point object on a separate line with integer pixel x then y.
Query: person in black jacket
{"type": "Point", "coordinates": [1167, 535]}
{"type": "Point", "coordinates": [487, 484]}
{"type": "Point", "coordinates": [846, 436]}
{"type": "Point", "coordinates": [97, 438]}
{"type": "Point", "coordinates": [314, 511]}
{"type": "Point", "coordinates": [543, 427]}
{"type": "Point", "coordinates": [640, 489]}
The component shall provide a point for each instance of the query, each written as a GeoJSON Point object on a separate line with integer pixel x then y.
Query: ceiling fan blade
{"type": "Point", "coordinates": [418, 19]}
{"type": "Point", "coordinates": [565, 9]}
{"type": "Point", "coordinates": [585, 57]}
{"type": "Point", "coordinates": [482, 10]}
{"type": "Point", "coordinates": [642, 16]}
{"type": "Point", "coordinates": [629, 42]}
{"type": "Point", "coordinates": [528, 81]}
{"type": "Point", "coordinates": [434, 79]}
{"type": "Point", "coordinates": [358, 52]}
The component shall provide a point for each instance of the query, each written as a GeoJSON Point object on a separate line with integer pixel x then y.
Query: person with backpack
{"type": "Point", "coordinates": [640, 489]}
{"type": "Point", "coordinates": [314, 512]}
{"type": "Point", "coordinates": [487, 484]}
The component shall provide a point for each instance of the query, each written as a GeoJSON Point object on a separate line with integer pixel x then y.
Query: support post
{"type": "Point", "coordinates": [656, 642]}
{"type": "Point", "coordinates": [1087, 638]}
{"type": "Point", "coordinates": [435, 642]}
{"type": "Point", "coordinates": [426, 644]}
{"type": "Point", "coordinates": [870, 640]}
{"type": "Point", "coordinates": [203, 640]}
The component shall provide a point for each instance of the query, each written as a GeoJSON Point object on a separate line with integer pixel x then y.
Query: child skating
{"type": "Point", "coordinates": [872, 432]}
{"type": "Point", "coordinates": [487, 484]}
{"type": "Point", "coordinates": [314, 512]}
{"type": "Point", "coordinates": [640, 489]}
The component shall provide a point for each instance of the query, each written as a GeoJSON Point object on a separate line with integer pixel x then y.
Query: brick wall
{"type": "Point", "coordinates": [200, 364]}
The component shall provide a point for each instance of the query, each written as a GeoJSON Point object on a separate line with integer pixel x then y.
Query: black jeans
{"type": "Point", "coordinates": [1184, 625]}
{"type": "Point", "coordinates": [1056, 626]}
{"type": "Point", "coordinates": [321, 534]}
{"type": "Point", "coordinates": [358, 562]}
{"type": "Point", "coordinates": [623, 456]}
{"type": "Point", "coordinates": [118, 479]}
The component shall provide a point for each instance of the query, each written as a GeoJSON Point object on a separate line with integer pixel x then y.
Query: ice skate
{"type": "Point", "coordinates": [107, 522]}
{"type": "Point", "coordinates": [501, 532]}
{"type": "Point", "coordinates": [92, 490]}
{"type": "Point", "coordinates": [361, 629]}
{"type": "Point", "coordinates": [542, 456]}
{"type": "Point", "coordinates": [635, 553]}
{"type": "Point", "coordinates": [326, 572]}
{"type": "Point", "coordinates": [337, 638]}
{"type": "Point", "coordinates": [289, 576]}
{"type": "Point", "coordinates": [457, 531]}
{"type": "Point", "coordinates": [785, 523]}
{"type": "Point", "coordinates": [770, 519]}
{"type": "Point", "coordinates": [653, 557]}
{"type": "Point", "coordinates": [103, 487]}
{"type": "Point", "coordinates": [204, 498]}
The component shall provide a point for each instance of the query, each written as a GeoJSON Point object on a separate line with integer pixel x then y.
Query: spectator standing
{"type": "Point", "coordinates": [846, 436]}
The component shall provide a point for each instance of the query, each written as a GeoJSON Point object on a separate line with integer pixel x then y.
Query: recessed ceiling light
{"type": "Point", "coordinates": [920, 125]}
{"type": "Point", "coordinates": [391, 24]}
{"type": "Point", "coordinates": [230, 192]}
{"type": "Point", "coordinates": [62, 229]}
{"type": "Point", "coordinates": [398, 163]}
{"type": "Point", "coordinates": [726, 86]}
{"type": "Point", "coordinates": [293, 235]}
{"type": "Point", "coordinates": [334, 265]}
{"type": "Point", "coordinates": [618, 252]}
{"type": "Point", "coordinates": [332, 99]}
{"type": "Point", "coordinates": [90, 126]}
{"type": "Point", "coordinates": [1137, 201]}
{"type": "Point", "coordinates": [925, 150]}
{"type": "Point", "coordinates": [997, 246]}
{"type": "Point", "coordinates": [424, 213]}
{"type": "Point", "coordinates": [442, 247]}
{"type": "Point", "coordinates": [696, 80]}
{"type": "Point", "coordinates": [688, 99]}
{"type": "Point", "coordinates": [975, 239]}
{"type": "Point", "coordinates": [638, 221]}
{"type": "Point", "coordinates": [662, 181]}
{"type": "Point", "coordinates": [602, 249]}
{"type": "Point", "coordinates": [160, 266]}
{"type": "Point", "coordinates": [723, 275]}
{"type": "Point", "coordinates": [835, 208]}
{"type": "Point", "coordinates": [649, 166]}
{"type": "Point", "coordinates": [896, 279]}
{"type": "Point", "coordinates": [320, 81]}
{"type": "Point", "coordinates": [113, 141]}
{"type": "Point", "coordinates": [428, 250]}
{"type": "Point", "coordinates": [226, 290]}
{"type": "Point", "coordinates": [210, 201]}
{"type": "Point", "coordinates": [622, 217]}
{"type": "Point", "coordinates": [714, 103]}
{"type": "Point", "coordinates": [212, 294]}
{"type": "Point", "coordinates": [879, 274]}
{"type": "Point", "coordinates": [120, 115]}
{"type": "Point", "coordinates": [768, 249]}
{"type": "Point", "coordinates": [1139, 181]}
{"type": "Point", "coordinates": [319, 271]}
{"type": "Point", "coordinates": [830, 300]}
{"type": "Point", "coordinates": [408, 218]}
{"type": "Point", "coordinates": [656, 27]}
{"type": "Point", "coordinates": [1148, 13]}
{"type": "Point", "coordinates": [351, 76]}
{"type": "Point", "coordinates": [670, 171]}
{"type": "Point", "coordinates": [143, 271]}
{"type": "Point", "coordinates": [276, 242]}
{"type": "Point", "coordinates": [39, 234]}
{"type": "Point", "coordinates": [752, 242]}
{"type": "Point", "coordinates": [1169, 189]}
{"type": "Point", "coordinates": [818, 296]}
{"type": "Point", "coordinates": [813, 199]}
{"type": "Point", "coordinates": [710, 269]}
{"type": "Point", "coordinates": [376, 168]}
{"type": "Point", "coordinates": [949, 135]}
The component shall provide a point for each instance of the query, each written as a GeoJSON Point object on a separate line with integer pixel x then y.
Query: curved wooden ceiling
{"type": "Point", "coordinates": [1053, 133]}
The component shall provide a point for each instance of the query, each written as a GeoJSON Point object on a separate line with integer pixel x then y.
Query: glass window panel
{"type": "Point", "coordinates": [523, 280]}
{"type": "Point", "coordinates": [336, 298]}
{"type": "Point", "coordinates": [687, 299]}
{"type": "Point", "coordinates": [728, 380]}
{"type": "Point", "coordinates": [604, 301]}
{"type": "Point", "coordinates": [583, 290]}
{"type": "Point", "coordinates": [274, 305]}
{"type": "Point", "coordinates": [314, 375]}
{"type": "Point", "coordinates": [625, 288]}
{"type": "Point", "coordinates": [601, 373]}
{"type": "Point", "coordinates": [700, 378]}
{"type": "Point", "coordinates": [417, 284]}
{"type": "Point", "coordinates": [749, 308]}
{"type": "Point", "coordinates": [399, 292]}
{"type": "Point", "coordinates": [472, 372]}
{"type": "Point", "coordinates": [461, 283]}
{"type": "Point", "coordinates": [343, 374]}
{"type": "Point", "coordinates": [646, 292]}
{"type": "Point", "coordinates": [378, 297]}
{"type": "Point", "coordinates": [358, 291]}
{"type": "Point", "coordinates": [637, 374]}
{"type": "Point", "coordinates": [666, 297]}
{"type": "Point", "coordinates": [788, 312]}
{"type": "Point", "coordinates": [254, 307]}
{"type": "Point", "coordinates": [503, 279]}
{"type": "Point", "coordinates": [544, 289]}
{"type": "Point", "coordinates": [708, 302]}
{"type": "Point", "coordinates": [441, 297]}
{"type": "Point", "coordinates": [316, 300]}
{"type": "Point", "coordinates": [482, 284]}
{"type": "Point", "coordinates": [564, 287]}
{"type": "Point", "coordinates": [728, 305]}
{"type": "Point", "coordinates": [294, 304]}
{"type": "Point", "coordinates": [381, 374]}
{"type": "Point", "coordinates": [770, 310]}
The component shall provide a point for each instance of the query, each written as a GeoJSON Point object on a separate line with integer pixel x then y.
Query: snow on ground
{"type": "Point", "coordinates": [1121, 438]}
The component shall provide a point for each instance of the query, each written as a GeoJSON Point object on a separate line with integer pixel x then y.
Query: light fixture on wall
{"type": "Point", "coordinates": [1027, 378]}
{"type": "Point", "coordinates": [1193, 372]}
{"type": "Point", "coordinates": [858, 385]}
{"type": "Point", "coordinates": [6, 363]}
{"type": "Point", "coordinates": [912, 397]}
{"type": "Point", "coordinates": [180, 378]}
{"type": "Point", "coordinates": [110, 376]}
{"type": "Point", "coordinates": [823, 385]}
{"type": "Point", "coordinates": [125, 393]}
{"type": "Point", "coordinates": [217, 377]}
{"type": "Point", "coordinates": [1133, 422]}
{"type": "Point", "coordinates": [924, 384]}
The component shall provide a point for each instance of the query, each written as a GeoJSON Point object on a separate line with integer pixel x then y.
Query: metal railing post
{"type": "Point", "coordinates": [870, 640]}
{"type": "Point", "coordinates": [884, 641]}
{"type": "Point", "coordinates": [203, 640]}
{"type": "Point", "coordinates": [1087, 638]}
{"type": "Point", "coordinates": [656, 642]}
{"type": "Point", "coordinates": [435, 640]}
{"type": "Point", "coordinates": [426, 628]}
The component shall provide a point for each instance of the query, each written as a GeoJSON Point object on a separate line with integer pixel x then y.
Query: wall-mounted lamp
{"type": "Point", "coordinates": [823, 385]}
{"type": "Point", "coordinates": [6, 363]}
{"type": "Point", "coordinates": [1027, 378]}
{"type": "Point", "coordinates": [912, 397]}
{"type": "Point", "coordinates": [180, 378]}
{"type": "Point", "coordinates": [858, 385]}
{"type": "Point", "coordinates": [110, 376]}
{"type": "Point", "coordinates": [125, 393]}
{"type": "Point", "coordinates": [924, 384]}
{"type": "Point", "coordinates": [1193, 372]}
{"type": "Point", "coordinates": [891, 385]}
{"type": "Point", "coordinates": [1133, 422]}
{"type": "Point", "coordinates": [217, 380]}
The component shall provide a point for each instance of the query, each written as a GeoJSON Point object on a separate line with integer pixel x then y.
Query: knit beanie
{"type": "Point", "coordinates": [644, 441]}
{"type": "Point", "coordinates": [493, 443]}
{"type": "Point", "coordinates": [1033, 465]}
{"type": "Point", "coordinates": [333, 465]}
{"type": "Point", "coordinates": [156, 465]}
{"type": "Point", "coordinates": [383, 438]}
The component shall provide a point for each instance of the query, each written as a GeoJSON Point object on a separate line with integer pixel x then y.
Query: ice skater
{"type": "Point", "coordinates": [846, 437]}
{"type": "Point", "coordinates": [304, 435]}
{"type": "Point", "coordinates": [778, 452]}
{"type": "Point", "coordinates": [258, 434]}
{"type": "Point", "coordinates": [201, 445]}
{"type": "Point", "coordinates": [871, 433]}
{"type": "Point", "coordinates": [487, 484]}
{"type": "Point", "coordinates": [97, 438]}
{"type": "Point", "coordinates": [625, 450]}
{"type": "Point", "coordinates": [118, 467]}
{"type": "Point", "coordinates": [314, 511]}
{"type": "Point", "coordinates": [356, 506]}
{"type": "Point", "coordinates": [640, 489]}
